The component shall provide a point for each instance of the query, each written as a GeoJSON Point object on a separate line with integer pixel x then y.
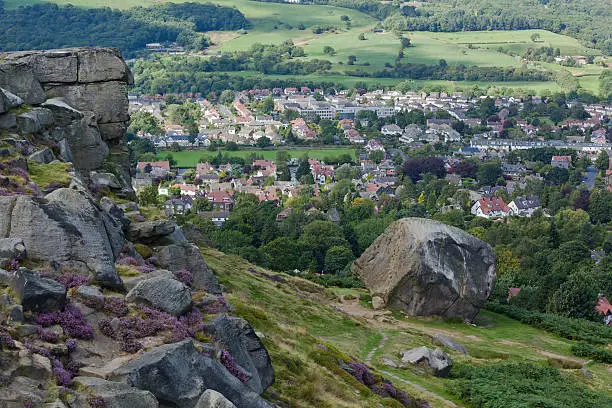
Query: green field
{"type": "Point", "coordinates": [191, 158]}
{"type": "Point", "coordinates": [273, 23]}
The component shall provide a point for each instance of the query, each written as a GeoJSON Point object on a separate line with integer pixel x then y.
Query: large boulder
{"type": "Point", "coordinates": [149, 231]}
{"type": "Point", "coordinates": [116, 394]}
{"type": "Point", "coordinates": [168, 295]}
{"type": "Point", "coordinates": [187, 256]}
{"type": "Point", "coordinates": [428, 268]}
{"type": "Point", "coordinates": [238, 337]}
{"type": "Point", "coordinates": [38, 294]}
{"type": "Point", "coordinates": [178, 374]}
{"type": "Point", "coordinates": [11, 248]}
{"type": "Point", "coordinates": [65, 229]}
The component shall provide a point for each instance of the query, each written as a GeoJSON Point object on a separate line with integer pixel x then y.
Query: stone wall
{"type": "Point", "coordinates": [74, 98]}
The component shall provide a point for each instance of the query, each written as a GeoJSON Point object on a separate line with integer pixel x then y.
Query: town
{"type": "Point", "coordinates": [381, 131]}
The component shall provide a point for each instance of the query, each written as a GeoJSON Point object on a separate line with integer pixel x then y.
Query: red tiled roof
{"type": "Point", "coordinates": [603, 306]}
{"type": "Point", "coordinates": [492, 204]}
{"type": "Point", "coordinates": [161, 164]}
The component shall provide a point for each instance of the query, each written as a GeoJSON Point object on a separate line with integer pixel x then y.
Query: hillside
{"type": "Point", "coordinates": [297, 318]}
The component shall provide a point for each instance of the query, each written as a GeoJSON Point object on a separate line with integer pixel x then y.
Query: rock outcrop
{"type": "Point", "coordinates": [75, 99]}
{"type": "Point", "coordinates": [435, 362]}
{"type": "Point", "coordinates": [427, 268]}
{"type": "Point", "coordinates": [178, 374]}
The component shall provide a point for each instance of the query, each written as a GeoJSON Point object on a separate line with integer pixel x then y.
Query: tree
{"type": "Point", "coordinates": [488, 173]}
{"type": "Point", "coordinates": [405, 42]}
{"type": "Point", "coordinates": [263, 141]}
{"type": "Point", "coordinates": [145, 122]}
{"type": "Point", "coordinates": [576, 297]}
{"type": "Point", "coordinates": [148, 196]}
{"type": "Point", "coordinates": [336, 258]}
{"type": "Point", "coordinates": [603, 161]}
{"type": "Point", "coordinates": [227, 97]}
{"type": "Point", "coordinates": [443, 64]}
{"type": "Point", "coordinates": [267, 105]}
{"type": "Point", "coordinates": [362, 36]}
{"type": "Point", "coordinates": [282, 254]}
{"type": "Point", "coordinates": [318, 237]}
{"type": "Point", "coordinates": [600, 206]}
{"type": "Point", "coordinates": [415, 168]}
{"type": "Point", "coordinates": [535, 37]}
{"type": "Point", "coordinates": [327, 50]}
{"type": "Point", "coordinates": [352, 59]}
{"type": "Point", "coordinates": [377, 156]}
{"type": "Point", "coordinates": [344, 18]}
{"type": "Point", "coordinates": [303, 168]}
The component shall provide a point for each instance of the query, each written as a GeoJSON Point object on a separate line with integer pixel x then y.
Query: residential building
{"type": "Point", "coordinates": [221, 200]}
{"type": "Point", "coordinates": [562, 162]}
{"type": "Point", "coordinates": [524, 206]}
{"type": "Point", "coordinates": [490, 207]}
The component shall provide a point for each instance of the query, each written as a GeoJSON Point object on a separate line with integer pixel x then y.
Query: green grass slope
{"type": "Point", "coordinates": [306, 327]}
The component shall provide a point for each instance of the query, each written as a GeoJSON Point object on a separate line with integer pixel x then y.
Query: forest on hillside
{"type": "Point", "coordinates": [45, 26]}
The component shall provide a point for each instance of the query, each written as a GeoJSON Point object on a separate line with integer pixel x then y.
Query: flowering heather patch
{"type": "Point", "coordinates": [39, 350]}
{"type": "Point", "coordinates": [47, 335]}
{"type": "Point", "coordinates": [126, 260]}
{"type": "Point", "coordinates": [116, 306]}
{"type": "Point", "coordinates": [70, 280]}
{"type": "Point", "coordinates": [146, 268]}
{"type": "Point", "coordinates": [96, 402]}
{"type": "Point", "coordinates": [5, 380]}
{"type": "Point", "coordinates": [70, 319]}
{"type": "Point", "coordinates": [362, 373]}
{"type": "Point", "coordinates": [153, 260]}
{"type": "Point", "coordinates": [6, 341]}
{"type": "Point", "coordinates": [230, 364]}
{"type": "Point", "coordinates": [217, 306]}
{"type": "Point", "coordinates": [139, 218]}
{"type": "Point", "coordinates": [13, 265]}
{"type": "Point", "coordinates": [184, 276]}
{"type": "Point", "coordinates": [63, 377]}
{"type": "Point", "coordinates": [18, 171]}
{"type": "Point", "coordinates": [71, 345]}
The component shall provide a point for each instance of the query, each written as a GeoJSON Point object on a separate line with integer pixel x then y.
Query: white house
{"type": "Point", "coordinates": [391, 130]}
{"type": "Point", "coordinates": [524, 206]}
{"type": "Point", "coordinates": [490, 207]}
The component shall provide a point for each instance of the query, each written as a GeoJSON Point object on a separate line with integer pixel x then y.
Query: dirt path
{"type": "Point", "coordinates": [380, 345]}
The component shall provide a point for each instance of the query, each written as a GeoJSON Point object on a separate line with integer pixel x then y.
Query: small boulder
{"type": "Point", "coordinates": [8, 120]}
{"type": "Point", "coordinates": [105, 179]}
{"type": "Point", "coordinates": [10, 99]}
{"type": "Point", "coordinates": [168, 295]}
{"type": "Point", "coordinates": [12, 248]}
{"type": "Point", "coordinates": [38, 294]}
{"type": "Point", "coordinates": [213, 399]}
{"type": "Point", "coordinates": [187, 256]}
{"type": "Point", "coordinates": [91, 296]}
{"type": "Point", "coordinates": [44, 156]}
{"type": "Point", "coordinates": [435, 362]}
{"type": "Point", "coordinates": [149, 231]}
{"type": "Point", "coordinates": [445, 341]}
{"type": "Point", "coordinates": [377, 303]}
{"type": "Point", "coordinates": [131, 282]}
{"type": "Point", "coordinates": [117, 394]}
{"type": "Point", "coordinates": [15, 314]}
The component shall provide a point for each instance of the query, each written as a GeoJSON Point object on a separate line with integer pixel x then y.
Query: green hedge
{"type": "Point", "coordinates": [583, 349]}
{"type": "Point", "coordinates": [573, 329]}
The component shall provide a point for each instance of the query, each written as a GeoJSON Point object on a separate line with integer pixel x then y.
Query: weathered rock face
{"type": "Point", "coordinates": [428, 268]}
{"type": "Point", "coordinates": [116, 394]}
{"type": "Point", "coordinates": [162, 293]}
{"type": "Point", "coordinates": [77, 99]}
{"type": "Point", "coordinates": [177, 374]}
{"type": "Point", "coordinates": [38, 294]}
{"type": "Point", "coordinates": [238, 337]}
{"type": "Point", "coordinates": [67, 229]}
{"type": "Point", "coordinates": [187, 256]}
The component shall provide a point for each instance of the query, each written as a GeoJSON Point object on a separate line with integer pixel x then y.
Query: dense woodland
{"type": "Point", "coordinates": [45, 26]}
{"type": "Point", "coordinates": [586, 20]}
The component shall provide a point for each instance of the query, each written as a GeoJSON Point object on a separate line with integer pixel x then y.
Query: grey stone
{"type": "Point", "coordinates": [107, 99]}
{"type": "Point", "coordinates": [117, 394]}
{"type": "Point", "coordinates": [213, 399]}
{"type": "Point", "coordinates": [10, 99]}
{"type": "Point", "coordinates": [238, 337]}
{"type": "Point", "coordinates": [18, 79]}
{"type": "Point", "coordinates": [38, 294]}
{"type": "Point", "coordinates": [377, 303]}
{"type": "Point", "coordinates": [43, 156]}
{"type": "Point", "coordinates": [443, 340]}
{"type": "Point", "coordinates": [435, 362]}
{"type": "Point", "coordinates": [149, 231]}
{"type": "Point", "coordinates": [427, 268]}
{"type": "Point", "coordinates": [15, 314]}
{"type": "Point", "coordinates": [91, 296]}
{"type": "Point", "coordinates": [8, 121]}
{"type": "Point", "coordinates": [105, 179]}
{"type": "Point", "coordinates": [5, 299]}
{"type": "Point", "coordinates": [87, 149]}
{"type": "Point", "coordinates": [12, 248]}
{"type": "Point", "coordinates": [168, 295]}
{"type": "Point", "coordinates": [101, 65]}
{"type": "Point", "coordinates": [63, 113]}
{"type": "Point", "coordinates": [389, 362]}
{"type": "Point", "coordinates": [188, 256]}
{"type": "Point", "coordinates": [65, 228]}
{"type": "Point", "coordinates": [586, 373]}
{"type": "Point", "coordinates": [178, 374]}
{"type": "Point", "coordinates": [131, 282]}
{"type": "Point", "coordinates": [112, 131]}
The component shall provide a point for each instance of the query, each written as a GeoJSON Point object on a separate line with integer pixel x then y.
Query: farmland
{"type": "Point", "coordinates": [191, 157]}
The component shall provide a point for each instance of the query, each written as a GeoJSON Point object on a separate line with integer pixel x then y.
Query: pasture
{"type": "Point", "coordinates": [190, 158]}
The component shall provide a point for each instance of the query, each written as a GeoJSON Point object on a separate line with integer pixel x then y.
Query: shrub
{"type": "Point", "coordinates": [70, 319]}
{"type": "Point", "coordinates": [573, 329]}
{"type": "Point", "coordinates": [584, 349]}
{"type": "Point", "coordinates": [143, 250]}
{"type": "Point", "coordinates": [184, 276]}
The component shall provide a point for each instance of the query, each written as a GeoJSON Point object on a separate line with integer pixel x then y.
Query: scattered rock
{"type": "Point", "coordinates": [15, 314]}
{"type": "Point", "coordinates": [44, 156]}
{"type": "Point", "coordinates": [38, 294]}
{"type": "Point", "coordinates": [435, 362]}
{"type": "Point", "coordinates": [10, 99]}
{"type": "Point", "coordinates": [178, 374]}
{"type": "Point", "coordinates": [8, 121]}
{"type": "Point", "coordinates": [213, 399]}
{"type": "Point", "coordinates": [443, 340]}
{"type": "Point", "coordinates": [238, 337]}
{"type": "Point", "coordinates": [187, 256]}
{"type": "Point", "coordinates": [91, 296]}
{"type": "Point", "coordinates": [116, 394]}
{"type": "Point", "coordinates": [105, 179]}
{"type": "Point", "coordinates": [12, 248]}
{"type": "Point", "coordinates": [130, 283]}
{"type": "Point", "coordinates": [168, 295]}
{"type": "Point", "coordinates": [377, 303]}
{"type": "Point", "coordinates": [149, 231]}
{"type": "Point", "coordinates": [427, 268]}
{"type": "Point", "coordinates": [388, 361]}
{"type": "Point", "coordinates": [586, 373]}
